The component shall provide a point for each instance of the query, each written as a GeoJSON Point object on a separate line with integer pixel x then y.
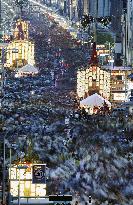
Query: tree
{"type": "Point", "coordinates": [104, 37]}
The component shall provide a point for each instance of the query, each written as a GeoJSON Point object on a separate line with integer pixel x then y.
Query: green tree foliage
{"type": "Point", "coordinates": [104, 37]}
{"type": "Point", "coordinates": [87, 20]}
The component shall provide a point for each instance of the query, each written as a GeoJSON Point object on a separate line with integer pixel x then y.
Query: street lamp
{"type": "Point", "coordinates": [11, 146]}
{"type": "Point", "coordinates": [4, 141]}
{"type": "Point", "coordinates": [4, 167]}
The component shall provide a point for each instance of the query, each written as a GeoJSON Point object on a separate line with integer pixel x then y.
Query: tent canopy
{"type": "Point", "coordinates": [28, 69]}
{"type": "Point", "coordinates": [94, 100]}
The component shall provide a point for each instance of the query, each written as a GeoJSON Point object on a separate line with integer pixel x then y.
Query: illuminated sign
{"type": "Point", "coordinates": [119, 96]}
{"type": "Point", "coordinates": [39, 174]}
{"type": "Point", "coordinates": [19, 174]}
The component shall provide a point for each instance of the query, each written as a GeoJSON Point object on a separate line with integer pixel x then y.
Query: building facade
{"type": "Point", "coordinates": [120, 23]}
{"type": "Point", "coordinates": [116, 9]}
{"type": "Point", "coordinates": [120, 84]}
{"type": "Point", "coordinates": [2, 57]}
{"type": "Point", "coordinates": [127, 34]}
{"type": "Point", "coordinates": [99, 7]}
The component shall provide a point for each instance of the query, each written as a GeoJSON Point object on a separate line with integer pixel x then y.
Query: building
{"type": "Point", "coordinates": [116, 10]}
{"type": "Point", "coordinates": [120, 84]}
{"type": "Point", "coordinates": [118, 27]}
{"type": "Point", "coordinates": [23, 182]}
{"type": "Point", "coordinates": [103, 8]}
{"type": "Point", "coordinates": [127, 34]}
{"type": "Point", "coordinates": [104, 54]}
{"type": "Point", "coordinates": [85, 7]}
{"type": "Point", "coordinates": [99, 7]}
{"type": "Point", "coordinates": [80, 9]}
{"type": "Point", "coordinates": [24, 48]}
{"type": "Point", "coordinates": [130, 87]}
{"type": "Point", "coordinates": [1, 84]}
{"type": "Point", "coordinates": [2, 47]}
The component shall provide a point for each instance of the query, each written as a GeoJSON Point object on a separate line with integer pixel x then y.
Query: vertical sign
{"type": "Point", "coordinates": [39, 174]}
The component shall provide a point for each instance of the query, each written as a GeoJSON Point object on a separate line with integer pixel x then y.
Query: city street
{"type": "Point", "coordinates": [86, 155]}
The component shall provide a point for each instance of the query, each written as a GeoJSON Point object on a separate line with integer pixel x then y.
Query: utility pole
{"type": "Point", "coordinates": [4, 176]}
{"type": "Point", "coordinates": [0, 22]}
{"type": "Point", "coordinates": [2, 91]}
{"type": "Point", "coordinates": [4, 151]}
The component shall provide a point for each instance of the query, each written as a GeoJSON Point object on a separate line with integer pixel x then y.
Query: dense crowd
{"type": "Point", "coordinates": [82, 156]}
{"type": "Point", "coordinates": [88, 155]}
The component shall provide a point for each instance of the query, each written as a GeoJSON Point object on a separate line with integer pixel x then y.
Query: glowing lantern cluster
{"type": "Point", "coordinates": [25, 47]}
{"type": "Point", "coordinates": [21, 31]}
{"type": "Point", "coordinates": [93, 80]}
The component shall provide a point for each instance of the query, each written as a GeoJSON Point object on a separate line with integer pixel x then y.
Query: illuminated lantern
{"type": "Point", "coordinates": [25, 47]}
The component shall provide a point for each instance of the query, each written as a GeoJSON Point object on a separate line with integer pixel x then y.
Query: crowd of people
{"type": "Point", "coordinates": [92, 149]}
{"type": "Point", "coordinates": [88, 155]}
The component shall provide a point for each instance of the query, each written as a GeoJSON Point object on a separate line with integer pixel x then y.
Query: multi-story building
{"type": "Point", "coordinates": [103, 8]}
{"type": "Point", "coordinates": [2, 57]}
{"type": "Point", "coordinates": [99, 8]}
{"type": "Point", "coordinates": [80, 9]}
{"type": "Point", "coordinates": [120, 84]}
{"type": "Point", "coordinates": [127, 34]}
{"type": "Point", "coordinates": [85, 7]}
{"type": "Point", "coordinates": [116, 10]}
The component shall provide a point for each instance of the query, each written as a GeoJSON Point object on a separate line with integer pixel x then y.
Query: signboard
{"type": "Point", "coordinates": [27, 188]}
{"type": "Point", "coordinates": [66, 121]}
{"type": "Point", "coordinates": [118, 47]}
{"type": "Point", "coordinates": [60, 197]}
{"type": "Point", "coordinates": [39, 174]}
{"type": "Point", "coordinates": [119, 96]}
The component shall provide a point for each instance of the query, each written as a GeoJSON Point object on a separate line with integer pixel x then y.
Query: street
{"type": "Point", "coordinates": [86, 156]}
